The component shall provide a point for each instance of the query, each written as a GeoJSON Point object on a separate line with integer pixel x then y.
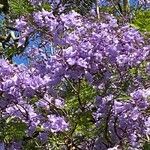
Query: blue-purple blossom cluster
{"type": "Point", "coordinates": [25, 96]}
{"type": "Point", "coordinates": [103, 54]}
{"type": "Point", "coordinates": [38, 2]}
{"type": "Point", "coordinates": [127, 122]}
{"type": "Point", "coordinates": [87, 39]}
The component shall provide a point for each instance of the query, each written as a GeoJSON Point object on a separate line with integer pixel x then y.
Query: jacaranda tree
{"type": "Point", "coordinates": [92, 93]}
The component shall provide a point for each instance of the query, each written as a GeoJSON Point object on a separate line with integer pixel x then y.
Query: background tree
{"type": "Point", "coordinates": [100, 67]}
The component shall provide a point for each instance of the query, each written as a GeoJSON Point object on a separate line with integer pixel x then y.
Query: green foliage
{"type": "Point", "coordinates": [142, 20]}
{"type": "Point", "coordinates": [146, 146]}
{"type": "Point", "coordinates": [19, 8]}
{"type": "Point", "coordinates": [81, 120]}
{"type": "Point", "coordinates": [4, 6]}
{"type": "Point", "coordinates": [32, 144]}
{"type": "Point", "coordinates": [85, 126]}
{"type": "Point", "coordinates": [12, 129]}
{"type": "Point", "coordinates": [46, 6]}
{"type": "Point", "coordinates": [82, 7]}
{"type": "Point", "coordinates": [108, 9]}
{"type": "Point", "coordinates": [87, 94]}
{"type": "Point", "coordinates": [23, 7]}
{"type": "Point", "coordinates": [10, 52]}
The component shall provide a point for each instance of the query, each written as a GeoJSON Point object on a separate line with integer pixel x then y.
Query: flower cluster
{"type": "Point", "coordinates": [127, 121]}
{"type": "Point", "coordinates": [103, 54]}
{"type": "Point", "coordinates": [25, 96]}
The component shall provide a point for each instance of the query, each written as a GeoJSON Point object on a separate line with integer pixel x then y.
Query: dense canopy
{"type": "Point", "coordinates": [86, 85]}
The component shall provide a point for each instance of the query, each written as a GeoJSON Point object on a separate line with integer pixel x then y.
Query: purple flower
{"type": "Point", "coordinates": [71, 61]}
{"type": "Point", "coordinates": [81, 62]}
{"type": "Point", "coordinates": [57, 123]}
{"type": "Point", "coordinates": [135, 114]}
{"type": "Point", "coordinates": [43, 137]}
{"type": "Point", "coordinates": [114, 148]}
{"type": "Point", "coordinates": [21, 24]}
{"type": "Point", "coordinates": [59, 102]}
